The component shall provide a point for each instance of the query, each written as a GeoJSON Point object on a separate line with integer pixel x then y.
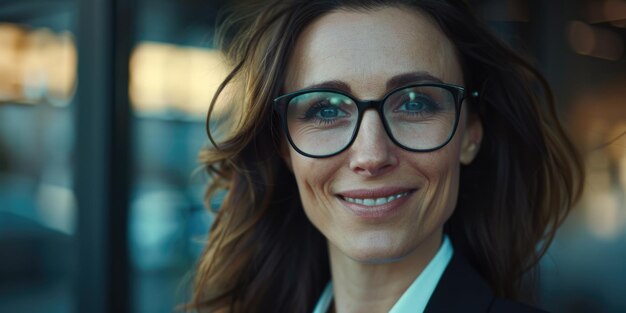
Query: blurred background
{"type": "Point", "coordinates": [102, 108]}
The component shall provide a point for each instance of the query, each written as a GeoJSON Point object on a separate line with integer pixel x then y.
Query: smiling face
{"type": "Point", "coordinates": [376, 202]}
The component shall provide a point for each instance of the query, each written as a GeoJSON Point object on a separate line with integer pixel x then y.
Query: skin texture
{"type": "Point", "coordinates": [374, 260]}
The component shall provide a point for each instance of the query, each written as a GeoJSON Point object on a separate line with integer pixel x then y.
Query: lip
{"type": "Point", "coordinates": [374, 192]}
{"type": "Point", "coordinates": [376, 212]}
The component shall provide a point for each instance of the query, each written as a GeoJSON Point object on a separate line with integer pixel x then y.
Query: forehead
{"type": "Point", "coordinates": [365, 49]}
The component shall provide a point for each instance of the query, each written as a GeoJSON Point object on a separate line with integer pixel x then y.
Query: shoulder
{"type": "Point", "coordinates": [462, 289]}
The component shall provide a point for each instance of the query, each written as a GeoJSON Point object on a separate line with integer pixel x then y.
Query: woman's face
{"type": "Point", "coordinates": [363, 51]}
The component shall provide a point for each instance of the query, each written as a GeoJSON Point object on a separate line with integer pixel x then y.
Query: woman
{"type": "Point", "coordinates": [381, 155]}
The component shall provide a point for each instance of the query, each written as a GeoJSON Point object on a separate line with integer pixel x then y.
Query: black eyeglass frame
{"type": "Point", "coordinates": [280, 106]}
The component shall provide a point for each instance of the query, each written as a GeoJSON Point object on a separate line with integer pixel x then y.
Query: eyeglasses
{"type": "Point", "coordinates": [324, 122]}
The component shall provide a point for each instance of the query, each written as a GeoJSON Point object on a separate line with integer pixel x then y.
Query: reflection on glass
{"type": "Point", "coordinates": [40, 65]}
{"type": "Point", "coordinates": [166, 77]}
{"type": "Point", "coordinates": [584, 269]}
{"type": "Point", "coordinates": [37, 203]}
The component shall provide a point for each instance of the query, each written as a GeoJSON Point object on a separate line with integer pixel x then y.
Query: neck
{"type": "Point", "coordinates": [366, 287]}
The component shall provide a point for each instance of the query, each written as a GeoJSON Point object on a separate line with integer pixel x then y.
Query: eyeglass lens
{"type": "Point", "coordinates": [418, 118]}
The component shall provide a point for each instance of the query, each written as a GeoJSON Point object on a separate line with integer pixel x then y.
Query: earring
{"type": "Point", "coordinates": [472, 147]}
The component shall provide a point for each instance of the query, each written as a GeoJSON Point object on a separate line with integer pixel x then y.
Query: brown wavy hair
{"type": "Point", "coordinates": [263, 254]}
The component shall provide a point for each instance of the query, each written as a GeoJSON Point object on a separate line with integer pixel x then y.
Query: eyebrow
{"type": "Point", "coordinates": [332, 84]}
{"type": "Point", "coordinates": [393, 83]}
{"type": "Point", "coordinates": [410, 78]}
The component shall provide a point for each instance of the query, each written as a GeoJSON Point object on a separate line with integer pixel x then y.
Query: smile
{"type": "Point", "coordinates": [377, 201]}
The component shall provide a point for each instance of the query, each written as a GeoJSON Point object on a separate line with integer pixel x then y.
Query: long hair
{"type": "Point", "coordinates": [264, 255]}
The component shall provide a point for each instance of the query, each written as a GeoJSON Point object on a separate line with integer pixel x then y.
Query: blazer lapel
{"type": "Point", "coordinates": [460, 289]}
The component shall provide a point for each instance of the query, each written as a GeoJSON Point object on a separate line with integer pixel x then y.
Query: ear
{"type": "Point", "coordinates": [472, 137]}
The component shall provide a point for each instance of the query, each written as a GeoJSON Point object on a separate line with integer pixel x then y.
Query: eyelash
{"type": "Point", "coordinates": [311, 114]}
{"type": "Point", "coordinates": [431, 106]}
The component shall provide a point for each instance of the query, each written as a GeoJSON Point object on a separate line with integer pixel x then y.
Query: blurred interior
{"type": "Point", "coordinates": [133, 250]}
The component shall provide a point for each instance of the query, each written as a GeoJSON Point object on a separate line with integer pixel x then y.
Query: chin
{"type": "Point", "coordinates": [378, 252]}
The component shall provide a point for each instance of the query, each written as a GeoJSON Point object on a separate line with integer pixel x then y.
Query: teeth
{"type": "Point", "coordinates": [377, 201]}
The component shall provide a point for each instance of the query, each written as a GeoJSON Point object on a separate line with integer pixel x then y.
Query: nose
{"type": "Point", "coordinates": [372, 152]}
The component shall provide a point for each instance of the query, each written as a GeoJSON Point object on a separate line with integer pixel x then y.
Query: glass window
{"type": "Point", "coordinates": [175, 70]}
{"type": "Point", "coordinates": [38, 210]}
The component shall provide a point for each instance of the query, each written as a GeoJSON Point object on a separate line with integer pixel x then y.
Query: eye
{"type": "Point", "coordinates": [320, 108]}
{"type": "Point", "coordinates": [324, 110]}
{"type": "Point", "coordinates": [413, 106]}
{"type": "Point", "coordinates": [329, 112]}
{"type": "Point", "coordinates": [417, 104]}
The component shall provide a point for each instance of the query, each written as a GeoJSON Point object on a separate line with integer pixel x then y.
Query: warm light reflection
{"type": "Point", "coordinates": [614, 10]}
{"type": "Point", "coordinates": [598, 124]}
{"type": "Point", "coordinates": [166, 77]}
{"type": "Point", "coordinates": [622, 172]}
{"type": "Point", "coordinates": [606, 11]}
{"type": "Point", "coordinates": [38, 66]}
{"type": "Point", "coordinates": [594, 41]}
{"type": "Point", "coordinates": [11, 43]}
{"type": "Point", "coordinates": [603, 218]}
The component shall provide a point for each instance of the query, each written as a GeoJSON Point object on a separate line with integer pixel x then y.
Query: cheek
{"type": "Point", "coordinates": [313, 181]}
{"type": "Point", "coordinates": [442, 175]}
{"type": "Point", "coordinates": [314, 178]}
{"type": "Point", "coordinates": [446, 167]}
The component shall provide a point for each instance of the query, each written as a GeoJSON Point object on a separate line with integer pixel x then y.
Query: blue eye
{"type": "Point", "coordinates": [328, 112]}
{"type": "Point", "coordinates": [324, 112]}
{"type": "Point", "coordinates": [418, 104]}
{"type": "Point", "coordinates": [413, 106]}
{"type": "Point", "coordinates": [320, 109]}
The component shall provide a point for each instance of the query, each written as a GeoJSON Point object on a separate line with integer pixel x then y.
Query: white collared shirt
{"type": "Point", "coordinates": [416, 297]}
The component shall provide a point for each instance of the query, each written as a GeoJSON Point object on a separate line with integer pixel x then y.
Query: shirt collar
{"type": "Point", "coordinates": [416, 297]}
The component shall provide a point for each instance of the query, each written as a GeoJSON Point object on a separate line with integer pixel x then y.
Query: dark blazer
{"type": "Point", "coordinates": [462, 289]}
